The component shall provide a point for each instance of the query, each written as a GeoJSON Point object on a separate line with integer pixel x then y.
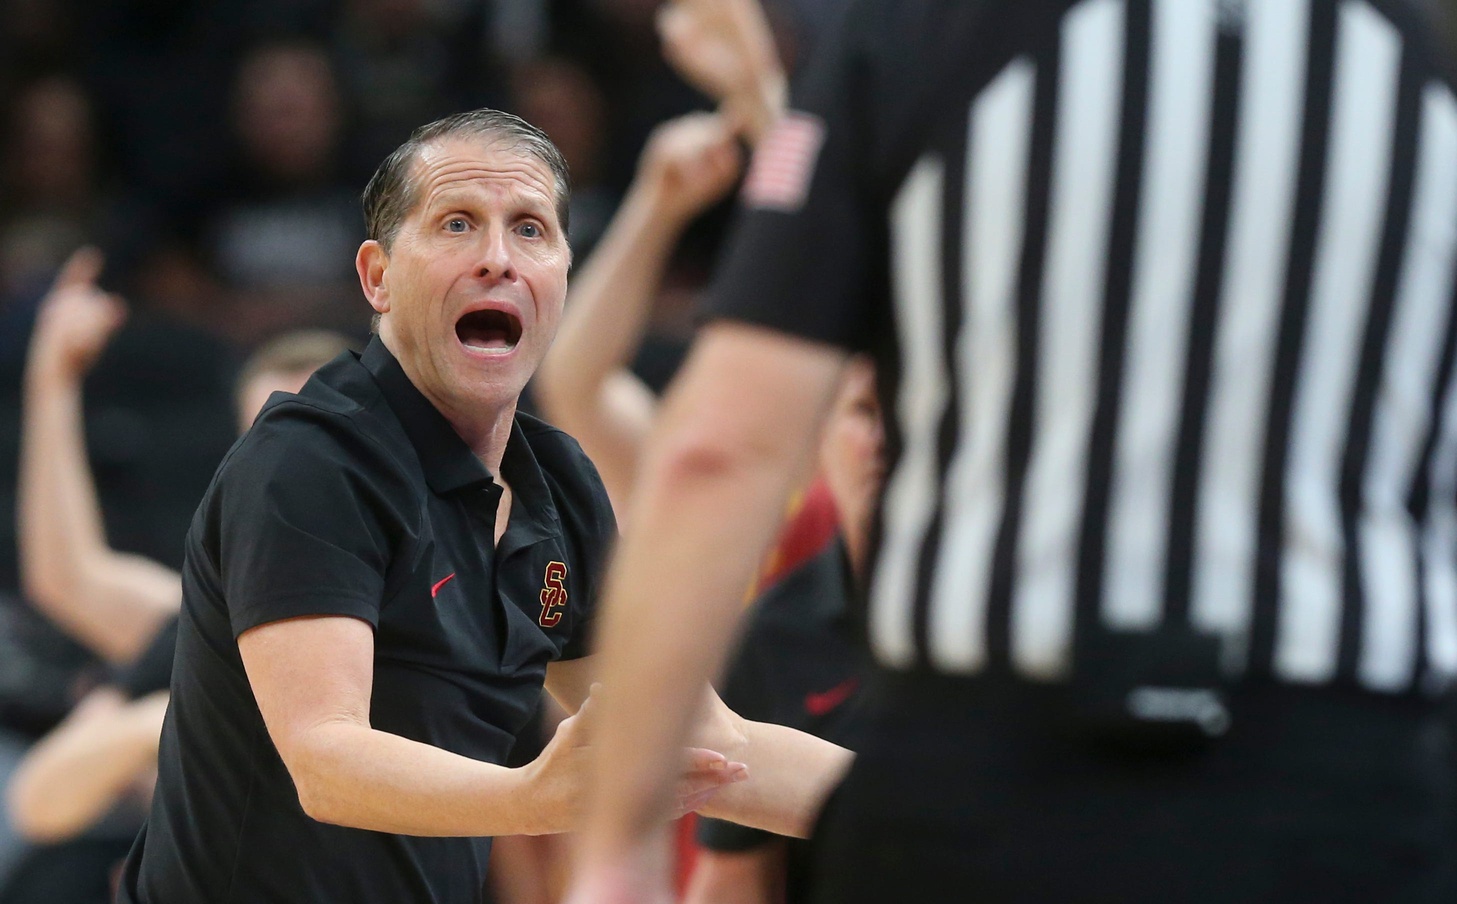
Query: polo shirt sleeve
{"type": "Point", "coordinates": [308, 505]}
{"type": "Point", "coordinates": [801, 258]}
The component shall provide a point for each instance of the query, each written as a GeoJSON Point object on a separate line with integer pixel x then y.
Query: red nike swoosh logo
{"type": "Point", "coordinates": [440, 583]}
{"type": "Point", "coordinates": [824, 701]}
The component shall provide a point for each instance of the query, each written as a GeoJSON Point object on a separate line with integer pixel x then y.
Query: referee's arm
{"type": "Point", "coordinates": [735, 429]}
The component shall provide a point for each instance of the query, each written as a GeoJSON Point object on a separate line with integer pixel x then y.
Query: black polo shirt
{"type": "Point", "coordinates": [357, 498]}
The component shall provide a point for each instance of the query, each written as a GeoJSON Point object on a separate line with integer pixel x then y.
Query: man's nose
{"type": "Point", "coordinates": [495, 261]}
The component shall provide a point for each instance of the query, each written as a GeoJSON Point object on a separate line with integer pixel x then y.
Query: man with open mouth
{"type": "Point", "coordinates": [392, 564]}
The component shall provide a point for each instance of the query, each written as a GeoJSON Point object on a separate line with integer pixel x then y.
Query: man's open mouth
{"type": "Point", "coordinates": [489, 331]}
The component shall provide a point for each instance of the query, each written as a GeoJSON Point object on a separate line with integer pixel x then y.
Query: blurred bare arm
{"type": "Point", "coordinates": [736, 427]}
{"type": "Point", "coordinates": [75, 774]}
{"type": "Point", "coordinates": [584, 385]}
{"type": "Point", "coordinates": [726, 49]}
{"type": "Point", "coordinates": [110, 601]}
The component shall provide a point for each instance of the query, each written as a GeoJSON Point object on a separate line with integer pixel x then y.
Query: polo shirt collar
{"type": "Point", "coordinates": [450, 465]}
{"type": "Point", "coordinates": [533, 512]}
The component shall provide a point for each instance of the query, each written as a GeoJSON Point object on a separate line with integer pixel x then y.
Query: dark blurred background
{"type": "Point", "coordinates": [215, 151]}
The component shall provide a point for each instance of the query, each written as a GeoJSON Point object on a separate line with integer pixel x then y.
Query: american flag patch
{"type": "Point", "coordinates": [784, 164]}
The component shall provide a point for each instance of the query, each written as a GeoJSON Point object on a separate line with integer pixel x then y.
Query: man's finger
{"type": "Point", "coordinates": [696, 802]}
{"type": "Point", "coordinates": [81, 269]}
{"type": "Point", "coordinates": [696, 788]}
{"type": "Point", "coordinates": [701, 759]}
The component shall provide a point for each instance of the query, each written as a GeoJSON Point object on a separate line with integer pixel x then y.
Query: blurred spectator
{"type": "Point", "coordinates": [153, 427]}
{"type": "Point", "coordinates": [162, 70]}
{"type": "Point", "coordinates": [93, 773]}
{"type": "Point", "coordinates": [584, 385]}
{"type": "Point", "coordinates": [41, 674]}
{"type": "Point", "coordinates": [561, 98]}
{"type": "Point", "coordinates": [172, 278]}
{"type": "Point", "coordinates": [284, 239]}
{"type": "Point", "coordinates": [48, 181]}
{"type": "Point", "coordinates": [111, 602]}
{"type": "Point", "coordinates": [404, 62]}
{"type": "Point", "coordinates": [159, 72]}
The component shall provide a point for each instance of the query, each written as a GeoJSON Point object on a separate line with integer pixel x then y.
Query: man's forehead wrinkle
{"type": "Point", "coordinates": [468, 180]}
{"type": "Point", "coordinates": [464, 160]}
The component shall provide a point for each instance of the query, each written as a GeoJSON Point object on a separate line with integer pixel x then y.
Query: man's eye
{"type": "Point", "coordinates": [456, 224]}
{"type": "Point", "coordinates": [530, 230]}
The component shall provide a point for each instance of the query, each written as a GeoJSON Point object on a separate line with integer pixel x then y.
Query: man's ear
{"type": "Point", "coordinates": [371, 262]}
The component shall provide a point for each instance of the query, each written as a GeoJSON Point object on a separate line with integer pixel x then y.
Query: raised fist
{"type": "Point", "coordinates": [689, 164]}
{"type": "Point", "coordinates": [75, 320]}
{"type": "Point", "coordinates": [725, 49]}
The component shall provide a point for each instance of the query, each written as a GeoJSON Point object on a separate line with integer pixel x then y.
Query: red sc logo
{"type": "Point", "coordinates": [553, 595]}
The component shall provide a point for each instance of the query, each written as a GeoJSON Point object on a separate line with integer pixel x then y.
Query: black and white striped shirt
{"type": "Point", "coordinates": [1162, 291]}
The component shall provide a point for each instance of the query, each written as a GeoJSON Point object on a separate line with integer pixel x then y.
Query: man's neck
{"type": "Point", "coordinates": [485, 428]}
{"type": "Point", "coordinates": [488, 441]}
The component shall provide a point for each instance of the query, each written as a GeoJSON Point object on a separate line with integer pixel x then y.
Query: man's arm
{"type": "Point", "coordinates": [584, 385]}
{"type": "Point", "coordinates": [725, 48]}
{"type": "Point", "coordinates": [312, 679]}
{"type": "Point", "coordinates": [110, 601]}
{"type": "Point", "coordinates": [735, 428]}
{"type": "Point", "coordinates": [73, 775]}
{"type": "Point", "coordinates": [790, 772]}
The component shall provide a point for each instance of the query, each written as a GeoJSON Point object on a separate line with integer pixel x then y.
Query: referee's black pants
{"type": "Point", "coordinates": [964, 791]}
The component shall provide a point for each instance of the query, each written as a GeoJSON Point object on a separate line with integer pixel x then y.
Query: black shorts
{"type": "Point", "coordinates": [969, 792]}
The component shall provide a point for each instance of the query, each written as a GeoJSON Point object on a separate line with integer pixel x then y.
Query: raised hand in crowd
{"type": "Point", "coordinates": [584, 385]}
{"type": "Point", "coordinates": [726, 49]}
{"type": "Point", "coordinates": [111, 602]}
{"type": "Point", "coordinates": [688, 165]}
{"type": "Point", "coordinates": [104, 753]}
{"type": "Point", "coordinates": [76, 320]}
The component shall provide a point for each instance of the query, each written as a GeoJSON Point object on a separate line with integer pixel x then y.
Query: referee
{"type": "Point", "coordinates": [1164, 600]}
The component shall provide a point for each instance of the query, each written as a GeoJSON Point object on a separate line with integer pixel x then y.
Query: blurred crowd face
{"type": "Point", "coordinates": [473, 284]}
{"type": "Point", "coordinates": [52, 157]}
{"type": "Point", "coordinates": [255, 392]}
{"type": "Point", "coordinates": [48, 181]}
{"type": "Point", "coordinates": [288, 114]}
{"type": "Point", "coordinates": [559, 97]}
{"type": "Point", "coordinates": [852, 455]}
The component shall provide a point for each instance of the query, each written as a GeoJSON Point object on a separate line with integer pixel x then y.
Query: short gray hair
{"type": "Point", "coordinates": [391, 193]}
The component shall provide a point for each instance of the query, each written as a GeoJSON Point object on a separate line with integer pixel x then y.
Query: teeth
{"type": "Point", "coordinates": [489, 349]}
